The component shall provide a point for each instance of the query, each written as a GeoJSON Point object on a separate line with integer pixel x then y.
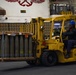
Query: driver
{"type": "Point", "coordinates": [71, 34]}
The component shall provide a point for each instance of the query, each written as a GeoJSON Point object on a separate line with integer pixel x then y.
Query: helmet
{"type": "Point", "coordinates": [72, 22]}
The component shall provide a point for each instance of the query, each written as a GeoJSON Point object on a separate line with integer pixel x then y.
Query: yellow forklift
{"type": "Point", "coordinates": [50, 39]}
{"type": "Point", "coordinates": [39, 41]}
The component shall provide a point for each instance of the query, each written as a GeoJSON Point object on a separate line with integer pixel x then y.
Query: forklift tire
{"type": "Point", "coordinates": [49, 58]}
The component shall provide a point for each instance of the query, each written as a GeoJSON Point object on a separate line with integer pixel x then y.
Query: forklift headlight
{"type": "Point", "coordinates": [41, 27]}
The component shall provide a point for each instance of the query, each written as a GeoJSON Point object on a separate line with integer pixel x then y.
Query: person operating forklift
{"type": "Point", "coordinates": [71, 34]}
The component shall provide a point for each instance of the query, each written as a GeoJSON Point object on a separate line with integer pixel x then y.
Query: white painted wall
{"type": "Point", "coordinates": [34, 11]}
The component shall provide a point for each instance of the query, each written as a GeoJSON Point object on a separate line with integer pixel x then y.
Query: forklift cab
{"type": "Point", "coordinates": [55, 43]}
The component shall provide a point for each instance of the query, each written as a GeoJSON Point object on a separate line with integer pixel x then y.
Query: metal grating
{"type": "Point", "coordinates": [18, 27]}
{"type": "Point", "coordinates": [47, 29]}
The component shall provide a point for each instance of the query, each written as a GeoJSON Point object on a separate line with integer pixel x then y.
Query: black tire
{"type": "Point", "coordinates": [49, 58]}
